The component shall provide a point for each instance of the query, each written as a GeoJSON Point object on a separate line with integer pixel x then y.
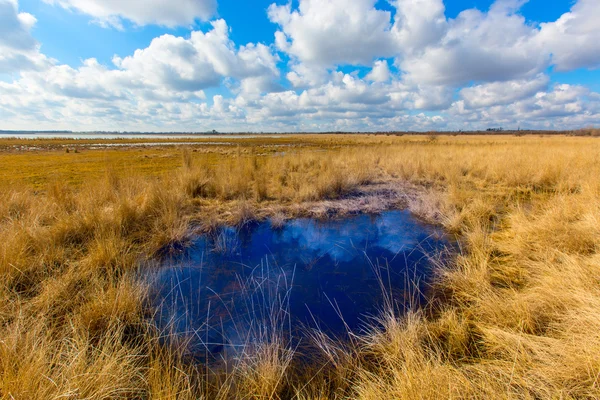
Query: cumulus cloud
{"type": "Point", "coordinates": [15, 27]}
{"type": "Point", "coordinates": [574, 39]}
{"type": "Point", "coordinates": [418, 23]}
{"type": "Point", "coordinates": [497, 45]}
{"type": "Point", "coordinates": [193, 64]}
{"type": "Point", "coordinates": [330, 32]}
{"type": "Point", "coordinates": [18, 49]}
{"type": "Point", "coordinates": [480, 69]}
{"type": "Point", "coordinates": [408, 96]}
{"type": "Point", "coordinates": [171, 68]}
{"type": "Point", "coordinates": [304, 75]}
{"type": "Point", "coordinates": [343, 96]}
{"type": "Point", "coordinates": [351, 99]}
{"type": "Point", "coordinates": [153, 82]}
{"type": "Point", "coordinates": [560, 107]}
{"type": "Point", "coordinates": [501, 93]}
{"type": "Point", "coordinates": [380, 71]}
{"type": "Point", "coordinates": [477, 46]}
{"type": "Point", "coordinates": [142, 12]}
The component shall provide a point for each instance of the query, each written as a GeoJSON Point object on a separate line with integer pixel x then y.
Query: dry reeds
{"type": "Point", "coordinates": [515, 315]}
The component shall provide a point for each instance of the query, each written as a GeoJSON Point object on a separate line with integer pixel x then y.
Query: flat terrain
{"type": "Point", "coordinates": [515, 315]}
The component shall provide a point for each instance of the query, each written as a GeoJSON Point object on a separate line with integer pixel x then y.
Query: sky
{"type": "Point", "coordinates": [300, 65]}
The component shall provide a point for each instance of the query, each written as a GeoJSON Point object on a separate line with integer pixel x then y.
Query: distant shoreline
{"type": "Point", "coordinates": [65, 133]}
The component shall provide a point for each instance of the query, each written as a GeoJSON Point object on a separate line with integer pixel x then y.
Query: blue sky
{"type": "Point", "coordinates": [316, 65]}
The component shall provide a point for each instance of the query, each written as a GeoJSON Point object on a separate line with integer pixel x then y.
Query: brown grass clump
{"type": "Point", "coordinates": [514, 315]}
{"type": "Point", "coordinates": [591, 131]}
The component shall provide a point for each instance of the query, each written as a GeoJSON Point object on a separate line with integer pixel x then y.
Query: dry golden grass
{"type": "Point", "coordinates": [515, 315]}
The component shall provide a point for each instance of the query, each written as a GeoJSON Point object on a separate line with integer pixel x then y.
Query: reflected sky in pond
{"type": "Point", "coordinates": [238, 286]}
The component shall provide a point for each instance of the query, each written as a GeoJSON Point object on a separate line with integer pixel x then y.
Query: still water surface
{"type": "Point", "coordinates": [239, 286]}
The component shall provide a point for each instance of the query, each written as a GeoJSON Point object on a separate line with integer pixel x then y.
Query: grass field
{"type": "Point", "coordinates": [515, 315]}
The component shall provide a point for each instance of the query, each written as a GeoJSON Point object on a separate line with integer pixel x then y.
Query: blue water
{"type": "Point", "coordinates": [243, 285]}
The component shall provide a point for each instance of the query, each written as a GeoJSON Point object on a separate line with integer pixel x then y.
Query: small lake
{"type": "Point", "coordinates": [238, 286]}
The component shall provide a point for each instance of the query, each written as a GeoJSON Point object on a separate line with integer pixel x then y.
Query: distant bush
{"type": "Point", "coordinates": [591, 131]}
{"type": "Point", "coordinates": [432, 138]}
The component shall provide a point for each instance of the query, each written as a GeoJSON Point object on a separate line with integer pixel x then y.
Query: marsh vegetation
{"type": "Point", "coordinates": [514, 315]}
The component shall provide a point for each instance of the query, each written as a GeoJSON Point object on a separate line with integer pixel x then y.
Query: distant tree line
{"type": "Point", "coordinates": [590, 131]}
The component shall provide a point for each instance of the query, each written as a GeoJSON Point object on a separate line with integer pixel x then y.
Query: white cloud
{"type": "Point", "coordinates": [193, 64]}
{"type": "Point", "coordinates": [498, 45]}
{"type": "Point", "coordinates": [255, 86]}
{"type": "Point", "coordinates": [477, 46]}
{"type": "Point", "coordinates": [492, 46]}
{"type": "Point", "coordinates": [15, 27]}
{"type": "Point", "coordinates": [418, 23]}
{"type": "Point", "coordinates": [331, 32]}
{"type": "Point", "coordinates": [574, 39]}
{"type": "Point", "coordinates": [408, 96]}
{"type": "Point", "coordinates": [502, 93]}
{"type": "Point", "coordinates": [18, 49]}
{"type": "Point", "coordinates": [142, 12]}
{"type": "Point", "coordinates": [305, 76]}
{"type": "Point", "coordinates": [562, 107]}
{"type": "Point", "coordinates": [346, 97]}
{"type": "Point", "coordinates": [171, 68]}
{"type": "Point", "coordinates": [380, 71]}
{"type": "Point", "coordinates": [479, 70]}
{"type": "Point", "coordinates": [150, 86]}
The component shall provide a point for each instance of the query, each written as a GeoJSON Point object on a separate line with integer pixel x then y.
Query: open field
{"type": "Point", "coordinates": [515, 315]}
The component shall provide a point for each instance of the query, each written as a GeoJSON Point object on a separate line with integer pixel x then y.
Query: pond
{"type": "Point", "coordinates": [239, 286]}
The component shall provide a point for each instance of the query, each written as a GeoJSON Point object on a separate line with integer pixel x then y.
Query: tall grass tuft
{"type": "Point", "coordinates": [515, 315]}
